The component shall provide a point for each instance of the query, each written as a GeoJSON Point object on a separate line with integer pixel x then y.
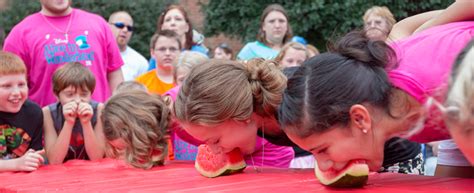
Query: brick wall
{"type": "Point", "coordinates": [193, 9]}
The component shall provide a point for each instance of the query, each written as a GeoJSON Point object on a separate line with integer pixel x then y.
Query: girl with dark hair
{"type": "Point", "coordinates": [363, 92]}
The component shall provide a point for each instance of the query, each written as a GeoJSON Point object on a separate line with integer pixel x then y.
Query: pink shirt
{"type": "Point", "coordinates": [424, 66]}
{"type": "Point", "coordinates": [42, 44]}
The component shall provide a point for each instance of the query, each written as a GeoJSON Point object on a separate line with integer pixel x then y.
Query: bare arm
{"type": "Point", "coordinates": [56, 146]}
{"type": "Point", "coordinates": [115, 78]}
{"type": "Point", "coordinates": [407, 26]}
{"type": "Point", "coordinates": [30, 161]}
{"type": "Point", "coordinates": [461, 10]}
{"type": "Point", "coordinates": [94, 138]}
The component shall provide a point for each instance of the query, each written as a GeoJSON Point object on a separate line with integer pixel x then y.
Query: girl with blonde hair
{"type": "Point", "coordinates": [292, 54]}
{"type": "Point", "coordinates": [136, 128]}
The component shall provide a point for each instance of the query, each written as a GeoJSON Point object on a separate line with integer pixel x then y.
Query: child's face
{"type": "Point", "coordinates": [13, 92]}
{"type": "Point", "coordinates": [77, 94]}
{"type": "Point", "coordinates": [181, 74]}
{"type": "Point", "coordinates": [166, 50]}
{"type": "Point", "coordinates": [119, 145]}
{"type": "Point", "coordinates": [226, 136]}
{"type": "Point", "coordinates": [293, 57]}
{"type": "Point", "coordinates": [335, 148]}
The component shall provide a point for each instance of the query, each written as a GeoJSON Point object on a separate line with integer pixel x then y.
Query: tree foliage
{"type": "Point", "coordinates": [316, 20]}
{"type": "Point", "coordinates": [144, 13]}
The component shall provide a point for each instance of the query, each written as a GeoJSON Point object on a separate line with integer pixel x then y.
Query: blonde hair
{"type": "Point", "coordinates": [187, 60]}
{"type": "Point", "coordinates": [383, 12]}
{"type": "Point", "coordinates": [219, 90]}
{"type": "Point", "coordinates": [11, 64]}
{"type": "Point", "coordinates": [313, 49]}
{"type": "Point", "coordinates": [142, 121]}
{"type": "Point", "coordinates": [73, 74]}
{"type": "Point", "coordinates": [129, 85]}
{"type": "Point", "coordinates": [461, 90]}
{"type": "Point", "coordinates": [294, 45]}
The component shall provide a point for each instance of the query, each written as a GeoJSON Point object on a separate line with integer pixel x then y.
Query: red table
{"type": "Point", "coordinates": [113, 176]}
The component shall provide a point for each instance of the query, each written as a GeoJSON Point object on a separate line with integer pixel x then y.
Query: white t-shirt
{"type": "Point", "coordinates": [134, 64]}
{"type": "Point", "coordinates": [450, 155]}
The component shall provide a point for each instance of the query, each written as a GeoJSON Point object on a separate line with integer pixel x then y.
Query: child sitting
{"type": "Point", "coordinates": [135, 127]}
{"type": "Point", "coordinates": [71, 124]}
{"type": "Point", "coordinates": [20, 119]}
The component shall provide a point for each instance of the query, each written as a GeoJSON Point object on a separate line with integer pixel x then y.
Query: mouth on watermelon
{"type": "Point", "coordinates": [212, 164]}
{"type": "Point", "coordinates": [354, 174]}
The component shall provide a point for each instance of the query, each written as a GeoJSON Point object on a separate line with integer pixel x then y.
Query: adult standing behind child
{"type": "Point", "coordinates": [274, 32]}
{"type": "Point", "coordinates": [72, 125]}
{"type": "Point", "coordinates": [59, 34]}
{"type": "Point", "coordinates": [21, 120]}
{"type": "Point", "coordinates": [175, 18]}
{"type": "Point", "coordinates": [122, 26]}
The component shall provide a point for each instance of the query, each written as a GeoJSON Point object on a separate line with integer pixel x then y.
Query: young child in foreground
{"type": "Point", "coordinates": [136, 128]}
{"type": "Point", "coordinates": [71, 125]}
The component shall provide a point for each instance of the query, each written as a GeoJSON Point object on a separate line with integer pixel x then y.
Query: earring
{"type": "Point", "coordinates": [364, 130]}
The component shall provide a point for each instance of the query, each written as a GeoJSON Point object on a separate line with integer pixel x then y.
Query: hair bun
{"type": "Point", "coordinates": [355, 45]}
{"type": "Point", "coordinates": [267, 83]}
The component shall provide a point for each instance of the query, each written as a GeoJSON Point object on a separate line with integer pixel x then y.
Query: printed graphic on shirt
{"type": "Point", "coordinates": [14, 142]}
{"type": "Point", "coordinates": [62, 49]}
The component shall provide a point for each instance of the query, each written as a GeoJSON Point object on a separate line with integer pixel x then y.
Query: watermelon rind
{"type": "Point", "coordinates": [234, 163]}
{"type": "Point", "coordinates": [355, 175]}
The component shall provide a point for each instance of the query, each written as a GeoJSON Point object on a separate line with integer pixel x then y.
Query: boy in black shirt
{"type": "Point", "coordinates": [21, 120]}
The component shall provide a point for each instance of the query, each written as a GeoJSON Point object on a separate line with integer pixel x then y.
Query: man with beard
{"type": "Point", "coordinates": [135, 64]}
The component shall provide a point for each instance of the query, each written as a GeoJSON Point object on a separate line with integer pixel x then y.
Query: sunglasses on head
{"type": "Point", "coordinates": [121, 25]}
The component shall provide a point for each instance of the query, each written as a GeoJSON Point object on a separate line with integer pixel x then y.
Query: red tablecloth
{"type": "Point", "coordinates": [113, 176]}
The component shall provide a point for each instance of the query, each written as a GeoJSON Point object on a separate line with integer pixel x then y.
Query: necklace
{"type": "Point", "coordinates": [263, 150]}
{"type": "Point", "coordinates": [66, 36]}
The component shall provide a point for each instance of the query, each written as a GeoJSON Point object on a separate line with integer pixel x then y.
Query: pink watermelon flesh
{"type": "Point", "coordinates": [212, 164]}
{"type": "Point", "coordinates": [355, 174]}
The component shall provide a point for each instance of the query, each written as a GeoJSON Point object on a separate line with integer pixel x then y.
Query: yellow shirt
{"type": "Point", "coordinates": [154, 85]}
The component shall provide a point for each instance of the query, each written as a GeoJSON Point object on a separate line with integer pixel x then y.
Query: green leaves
{"type": "Point", "coordinates": [317, 21]}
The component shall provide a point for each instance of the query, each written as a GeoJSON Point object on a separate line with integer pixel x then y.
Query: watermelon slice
{"type": "Point", "coordinates": [355, 174]}
{"type": "Point", "coordinates": [211, 164]}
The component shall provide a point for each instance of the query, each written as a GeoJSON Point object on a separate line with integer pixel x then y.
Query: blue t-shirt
{"type": "Point", "coordinates": [196, 48]}
{"type": "Point", "coordinates": [256, 50]}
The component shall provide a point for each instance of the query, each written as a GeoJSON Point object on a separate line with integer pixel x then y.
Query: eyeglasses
{"type": "Point", "coordinates": [163, 49]}
{"type": "Point", "coordinates": [121, 25]}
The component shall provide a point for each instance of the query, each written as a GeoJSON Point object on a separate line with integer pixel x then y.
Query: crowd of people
{"type": "Point", "coordinates": [72, 88]}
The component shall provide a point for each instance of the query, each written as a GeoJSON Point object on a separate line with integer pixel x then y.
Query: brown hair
{"type": "Point", "coordinates": [294, 45]}
{"type": "Point", "coordinates": [11, 64]}
{"type": "Point", "coordinates": [220, 90]}
{"type": "Point", "coordinates": [141, 120]}
{"type": "Point", "coordinates": [165, 33]}
{"type": "Point", "coordinates": [383, 12]}
{"type": "Point", "coordinates": [189, 35]}
{"type": "Point", "coordinates": [73, 74]}
{"type": "Point", "coordinates": [266, 11]}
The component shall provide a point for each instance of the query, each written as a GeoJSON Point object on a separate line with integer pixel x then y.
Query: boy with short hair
{"type": "Point", "coordinates": [72, 126]}
{"type": "Point", "coordinates": [21, 120]}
